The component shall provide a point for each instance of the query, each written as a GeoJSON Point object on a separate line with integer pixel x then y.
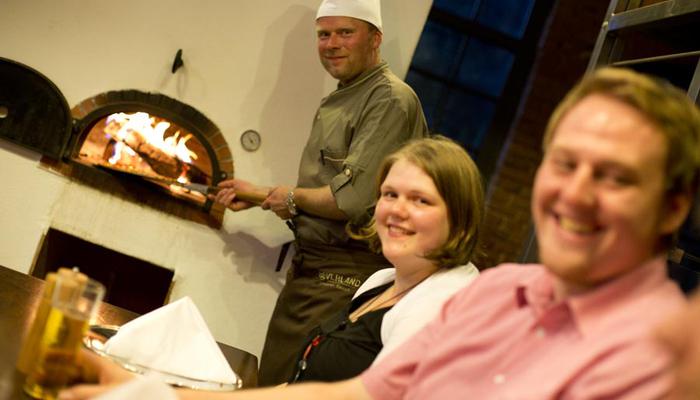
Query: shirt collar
{"type": "Point", "coordinates": [365, 75]}
{"type": "Point", "coordinates": [590, 310]}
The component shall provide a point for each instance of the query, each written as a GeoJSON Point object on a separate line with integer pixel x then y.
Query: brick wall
{"type": "Point", "coordinates": [562, 59]}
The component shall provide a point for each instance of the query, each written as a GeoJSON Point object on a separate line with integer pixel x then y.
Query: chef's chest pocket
{"type": "Point", "coordinates": [333, 160]}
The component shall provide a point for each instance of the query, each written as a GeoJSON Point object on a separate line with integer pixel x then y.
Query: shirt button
{"type": "Point", "coordinates": [348, 172]}
{"type": "Point", "coordinates": [499, 378]}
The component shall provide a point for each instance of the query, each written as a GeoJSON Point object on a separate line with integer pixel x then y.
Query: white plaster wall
{"type": "Point", "coordinates": [248, 65]}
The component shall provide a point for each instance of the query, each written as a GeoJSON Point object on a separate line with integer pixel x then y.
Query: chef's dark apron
{"type": "Point", "coordinates": [319, 284]}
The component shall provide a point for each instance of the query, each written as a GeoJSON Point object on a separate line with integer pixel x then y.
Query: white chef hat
{"type": "Point", "coordinates": [366, 10]}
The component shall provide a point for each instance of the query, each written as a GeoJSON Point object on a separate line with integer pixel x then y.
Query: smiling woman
{"type": "Point", "coordinates": [410, 215]}
{"type": "Point", "coordinates": [457, 181]}
{"type": "Point", "coordinates": [426, 223]}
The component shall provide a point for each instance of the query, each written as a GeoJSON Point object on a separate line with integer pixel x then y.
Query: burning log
{"type": "Point", "coordinates": [161, 162]}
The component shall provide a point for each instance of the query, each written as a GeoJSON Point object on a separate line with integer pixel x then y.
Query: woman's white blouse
{"type": "Point", "coordinates": [420, 305]}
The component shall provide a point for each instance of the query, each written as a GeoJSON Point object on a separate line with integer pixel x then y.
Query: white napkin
{"type": "Point", "coordinates": [173, 339]}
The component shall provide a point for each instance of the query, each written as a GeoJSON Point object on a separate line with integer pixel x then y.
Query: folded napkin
{"type": "Point", "coordinates": [173, 339]}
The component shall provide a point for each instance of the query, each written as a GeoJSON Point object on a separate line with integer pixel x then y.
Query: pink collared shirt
{"type": "Point", "coordinates": [504, 337]}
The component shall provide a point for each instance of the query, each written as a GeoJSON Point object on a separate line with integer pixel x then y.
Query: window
{"type": "Point", "coordinates": [470, 67]}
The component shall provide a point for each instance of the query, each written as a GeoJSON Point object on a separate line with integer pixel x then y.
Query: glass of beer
{"type": "Point", "coordinates": [73, 304]}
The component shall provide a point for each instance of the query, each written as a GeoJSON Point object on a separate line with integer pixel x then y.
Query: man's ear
{"type": "Point", "coordinates": [676, 210]}
{"type": "Point", "coordinates": [377, 39]}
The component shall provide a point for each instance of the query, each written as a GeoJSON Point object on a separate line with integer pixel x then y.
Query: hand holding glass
{"type": "Point", "coordinates": [73, 305]}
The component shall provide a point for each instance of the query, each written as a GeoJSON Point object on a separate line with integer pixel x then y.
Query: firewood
{"type": "Point", "coordinates": [161, 162]}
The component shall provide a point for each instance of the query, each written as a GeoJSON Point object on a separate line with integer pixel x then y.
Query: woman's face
{"type": "Point", "coordinates": [411, 216]}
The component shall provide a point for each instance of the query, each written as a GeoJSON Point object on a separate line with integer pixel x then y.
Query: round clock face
{"type": "Point", "coordinates": [250, 140]}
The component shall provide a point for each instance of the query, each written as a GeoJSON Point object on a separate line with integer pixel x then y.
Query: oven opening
{"type": "Point", "coordinates": [134, 284]}
{"type": "Point", "coordinates": [150, 147]}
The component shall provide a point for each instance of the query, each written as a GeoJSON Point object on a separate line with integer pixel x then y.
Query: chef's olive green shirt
{"type": "Point", "coordinates": [355, 127]}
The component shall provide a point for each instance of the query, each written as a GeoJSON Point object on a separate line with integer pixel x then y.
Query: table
{"type": "Point", "coordinates": [19, 297]}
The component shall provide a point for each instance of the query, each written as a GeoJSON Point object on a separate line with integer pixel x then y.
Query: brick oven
{"type": "Point", "coordinates": [143, 147]}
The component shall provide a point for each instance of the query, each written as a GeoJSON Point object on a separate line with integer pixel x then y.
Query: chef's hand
{"type": "Point", "coordinates": [276, 201]}
{"type": "Point", "coordinates": [100, 375]}
{"type": "Point", "coordinates": [227, 194]}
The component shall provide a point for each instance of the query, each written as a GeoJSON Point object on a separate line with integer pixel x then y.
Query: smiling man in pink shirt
{"type": "Point", "coordinates": [616, 182]}
{"type": "Point", "coordinates": [622, 154]}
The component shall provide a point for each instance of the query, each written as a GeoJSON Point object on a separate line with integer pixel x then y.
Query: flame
{"type": "Point", "coordinates": [119, 125]}
{"type": "Point", "coordinates": [120, 147]}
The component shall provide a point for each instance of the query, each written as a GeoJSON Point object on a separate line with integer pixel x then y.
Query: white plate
{"type": "Point", "coordinates": [98, 335]}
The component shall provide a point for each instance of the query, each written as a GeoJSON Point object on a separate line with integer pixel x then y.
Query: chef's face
{"type": "Point", "coordinates": [347, 46]}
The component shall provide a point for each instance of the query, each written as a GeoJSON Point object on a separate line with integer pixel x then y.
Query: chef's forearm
{"type": "Point", "coordinates": [319, 202]}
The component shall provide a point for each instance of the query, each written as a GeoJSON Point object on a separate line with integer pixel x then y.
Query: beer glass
{"type": "Point", "coordinates": [73, 304]}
